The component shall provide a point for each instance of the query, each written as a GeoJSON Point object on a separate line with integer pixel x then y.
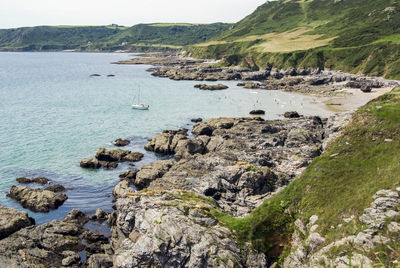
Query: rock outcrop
{"type": "Point", "coordinates": [110, 158]}
{"type": "Point", "coordinates": [308, 247]}
{"type": "Point", "coordinates": [37, 199]}
{"type": "Point", "coordinates": [59, 243]}
{"type": "Point", "coordinates": [12, 220]}
{"type": "Point", "coordinates": [168, 229]}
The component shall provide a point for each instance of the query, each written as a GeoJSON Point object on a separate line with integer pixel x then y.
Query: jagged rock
{"type": "Point", "coordinates": [181, 230]}
{"type": "Point", "coordinates": [71, 258]}
{"type": "Point", "coordinates": [380, 209]}
{"type": "Point", "coordinates": [257, 112]}
{"type": "Point", "coordinates": [46, 245]}
{"type": "Point", "coordinates": [56, 188]}
{"type": "Point", "coordinates": [152, 171]}
{"type": "Point", "coordinates": [39, 180]}
{"type": "Point", "coordinates": [120, 142]}
{"type": "Point", "coordinates": [90, 163]}
{"type": "Point", "coordinates": [12, 220]}
{"type": "Point", "coordinates": [211, 87]}
{"type": "Point", "coordinates": [166, 142]}
{"type": "Point", "coordinates": [129, 175]}
{"type": "Point", "coordinates": [122, 189]}
{"type": "Point", "coordinates": [189, 147]}
{"type": "Point", "coordinates": [117, 155]}
{"type": "Point", "coordinates": [201, 129]}
{"type": "Point", "coordinates": [37, 199]}
{"type": "Point", "coordinates": [291, 114]}
{"type": "Point", "coordinates": [314, 241]}
{"type": "Point", "coordinates": [100, 214]}
{"type": "Point", "coordinates": [100, 260]}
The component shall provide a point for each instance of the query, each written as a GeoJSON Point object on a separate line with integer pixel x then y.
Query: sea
{"type": "Point", "coordinates": [53, 113]}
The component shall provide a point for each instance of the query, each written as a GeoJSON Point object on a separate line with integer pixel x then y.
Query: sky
{"type": "Point", "coordinates": [18, 13]}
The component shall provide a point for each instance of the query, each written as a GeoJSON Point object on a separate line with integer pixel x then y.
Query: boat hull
{"type": "Point", "coordinates": [140, 106]}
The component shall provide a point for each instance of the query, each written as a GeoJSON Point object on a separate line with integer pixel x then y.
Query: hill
{"type": "Point", "coordinates": [112, 37]}
{"type": "Point", "coordinates": [360, 36]}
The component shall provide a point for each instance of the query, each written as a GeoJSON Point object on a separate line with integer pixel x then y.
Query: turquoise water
{"type": "Point", "coordinates": [53, 114]}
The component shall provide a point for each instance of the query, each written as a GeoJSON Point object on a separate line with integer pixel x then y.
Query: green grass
{"type": "Point", "coordinates": [333, 187]}
{"type": "Point", "coordinates": [109, 37]}
{"type": "Point", "coordinates": [361, 36]}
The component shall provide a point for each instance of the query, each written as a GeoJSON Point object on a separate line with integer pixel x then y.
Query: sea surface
{"type": "Point", "coordinates": [53, 114]}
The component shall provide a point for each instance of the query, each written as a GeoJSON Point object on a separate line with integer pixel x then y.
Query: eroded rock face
{"type": "Point", "coordinates": [167, 229]}
{"type": "Point", "coordinates": [152, 171]}
{"type": "Point", "coordinates": [236, 160]}
{"type": "Point", "coordinates": [12, 220]}
{"type": "Point", "coordinates": [37, 199]}
{"type": "Point", "coordinates": [166, 142]}
{"type": "Point", "coordinates": [43, 245]}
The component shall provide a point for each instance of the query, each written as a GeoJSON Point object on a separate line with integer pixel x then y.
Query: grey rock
{"type": "Point", "coordinates": [122, 189]}
{"type": "Point", "coordinates": [37, 199]}
{"type": "Point", "coordinates": [100, 261]}
{"type": "Point", "coordinates": [120, 142]}
{"type": "Point", "coordinates": [314, 241]}
{"type": "Point", "coordinates": [12, 220]}
{"type": "Point", "coordinates": [152, 171]}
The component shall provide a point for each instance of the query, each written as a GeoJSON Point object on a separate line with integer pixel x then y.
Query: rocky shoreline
{"type": "Point", "coordinates": [165, 211]}
{"type": "Point", "coordinates": [302, 80]}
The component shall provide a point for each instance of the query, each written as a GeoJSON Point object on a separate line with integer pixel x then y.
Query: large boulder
{"type": "Point", "coordinates": [37, 199]}
{"type": "Point", "coordinates": [49, 245]}
{"type": "Point", "coordinates": [166, 142]}
{"type": "Point", "coordinates": [12, 220]}
{"type": "Point", "coordinates": [118, 155]}
{"type": "Point", "coordinates": [175, 229]}
{"type": "Point", "coordinates": [152, 171]}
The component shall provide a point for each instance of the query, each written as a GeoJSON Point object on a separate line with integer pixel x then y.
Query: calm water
{"type": "Point", "coordinates": [52, 114]}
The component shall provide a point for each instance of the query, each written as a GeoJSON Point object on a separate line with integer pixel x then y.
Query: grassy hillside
{"type": "Point", "coordinates": [113, 37]}
{"type": "Point", "coordinates": [168, 34]}
{"type": "Point", "coordinates": [338, 184]}
{"type": "Point", "coordinates": [316, 33]}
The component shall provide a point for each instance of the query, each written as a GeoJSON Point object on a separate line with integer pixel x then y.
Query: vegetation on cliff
{"type": "Point", "coordinates": [112, 37]}
{"type": "Point", "coordinates": [339, 184]}
{"type": "Point", "coordinates": [361, 36]}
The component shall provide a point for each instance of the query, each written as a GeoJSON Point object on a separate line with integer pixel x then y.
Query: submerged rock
{"type": "Point", "coordinates": [12, 220]}
{"type": "Point", "coordinates": [39, 180]}
{"type": "Point", "coordinates": [37, 199]}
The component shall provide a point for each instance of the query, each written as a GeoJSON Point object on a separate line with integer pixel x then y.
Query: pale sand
{"type": "Point", "coordinates": [353, 100]}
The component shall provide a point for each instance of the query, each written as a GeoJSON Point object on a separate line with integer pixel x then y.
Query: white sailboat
{"type": "Point", "coordinates": [140, 106]}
